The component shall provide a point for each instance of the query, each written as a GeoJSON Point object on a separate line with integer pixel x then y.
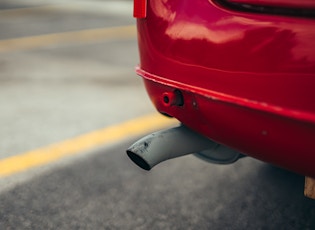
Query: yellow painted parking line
{"type": "Point", "coordinates": [112, 7]}
{"type": "Point", "coordinates": [77, 145]}
{"type": "Point", "coordinates": [13, 12]}
{"type": "Point", "coordinates": [82, 36]}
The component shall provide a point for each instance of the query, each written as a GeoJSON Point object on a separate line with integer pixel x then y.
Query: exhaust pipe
{"type": "Point", "coordinates": [167, 144]}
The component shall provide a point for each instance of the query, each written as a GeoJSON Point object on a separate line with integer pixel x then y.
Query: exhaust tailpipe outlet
{"type": "Point", "coordinates": [167, 144]}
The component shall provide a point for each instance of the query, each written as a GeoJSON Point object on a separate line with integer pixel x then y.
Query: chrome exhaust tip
{"type": "Point", "coordinates": [167, 144]}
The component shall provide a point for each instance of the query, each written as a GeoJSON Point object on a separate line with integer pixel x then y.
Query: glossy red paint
{"type": "Point", "coordinates": [247, 80]}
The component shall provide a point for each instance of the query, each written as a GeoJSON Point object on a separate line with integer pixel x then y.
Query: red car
{"type": "Point", "coordinates": [238, 74]}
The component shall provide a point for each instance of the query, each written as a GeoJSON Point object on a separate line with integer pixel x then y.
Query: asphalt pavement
{"type": "Point", "coordinates": [104, 190]}
{"type": "Point", "coordinates": [53, 90]}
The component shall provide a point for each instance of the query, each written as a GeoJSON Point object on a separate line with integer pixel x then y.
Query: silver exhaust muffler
{"type": "Point", "coordinates": [171, 143]}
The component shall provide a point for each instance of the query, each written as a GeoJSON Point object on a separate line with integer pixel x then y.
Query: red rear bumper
{"type": "Point", "coordinates": [247, 80]}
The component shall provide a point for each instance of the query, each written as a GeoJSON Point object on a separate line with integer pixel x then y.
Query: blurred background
{"type": "Point", "coordinates": [66, 69]}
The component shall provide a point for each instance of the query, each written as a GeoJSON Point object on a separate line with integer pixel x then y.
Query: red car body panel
{"type": "Point", "coordinates": [247, 79]}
